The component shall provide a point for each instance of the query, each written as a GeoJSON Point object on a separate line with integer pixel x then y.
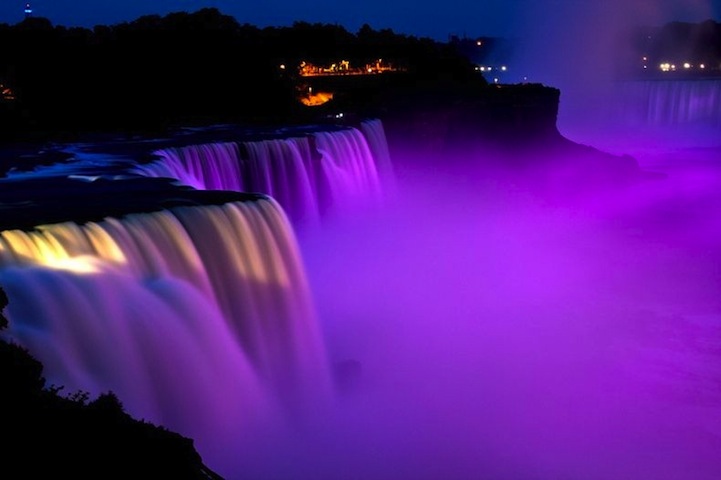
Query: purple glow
{"type": "Point", "coordinates": [481, 331]}
{"type": "Point", "coordinates": [502, 339]}
{"type": "Point", "coordinates": [475, 329]}
{"type": "Point", "coordinates": [578, 48]}
{"type": "Point", "coordinates": [339, 172]}
{"type": "Point", "coordinates": [673, 103]}
{"type": "Point", "coordinates": [200, 318]}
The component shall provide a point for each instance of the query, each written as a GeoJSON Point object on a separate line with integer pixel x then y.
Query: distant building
{"type": "Point", "coordinates": [28, 10]}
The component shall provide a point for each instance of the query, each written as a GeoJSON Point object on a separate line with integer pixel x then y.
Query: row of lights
{"type": "Point", "coordinates": [481, 68]}
{"type": "Point", "coordinates": [670, 67]}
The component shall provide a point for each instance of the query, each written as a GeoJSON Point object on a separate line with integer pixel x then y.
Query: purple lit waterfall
{"type": "Point", "coordinates": [308, 176]}
{"type": "Point", "coordinates": [198, 317]}
{"type": "Point", "coordinates": [672, 102]}
{"type": "Point", "coordinates": [378, 144]}
{"type": "Point", "coordinates": [348, 167]}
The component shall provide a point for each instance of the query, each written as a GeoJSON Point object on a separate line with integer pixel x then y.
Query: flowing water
{"type": "Point", "coordinates": [475, 328]}
{"type": "Point", "coordinates": [338, 172]}
{"type": "Point", "coordinates": [496, 335]}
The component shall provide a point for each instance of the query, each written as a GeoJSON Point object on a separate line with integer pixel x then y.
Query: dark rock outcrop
{"type": "Point", "coordinates": [45, 435]}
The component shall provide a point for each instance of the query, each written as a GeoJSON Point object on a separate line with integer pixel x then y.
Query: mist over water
{"type": "Point", "coordinates": [482, 331]}
{"type": "Point", "coordinates": [487, 328]}
{"type": "Point", "coordinates": [485, 332]}
{"type": "Point", "coordinates": [578, 46]}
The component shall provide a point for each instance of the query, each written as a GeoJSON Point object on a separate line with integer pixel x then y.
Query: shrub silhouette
{"type": "Point", "coordinates": [45, 435]}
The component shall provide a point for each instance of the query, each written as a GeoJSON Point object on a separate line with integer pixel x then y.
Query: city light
{"type": "Point", "coordinates": [344, 67]}
{"type": "Point", "coordinates": [671, 67]}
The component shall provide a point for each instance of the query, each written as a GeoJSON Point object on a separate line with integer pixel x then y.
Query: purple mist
{"type": "Point", "coordinates": [476, 331]}
{"type": "Point", "coordinates": [496, 338]}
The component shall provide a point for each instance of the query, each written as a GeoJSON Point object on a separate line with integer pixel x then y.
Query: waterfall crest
{"type": "Point", "coordinates": [672, 102]}
{"type": "Point", "coordinates": [309, 176]}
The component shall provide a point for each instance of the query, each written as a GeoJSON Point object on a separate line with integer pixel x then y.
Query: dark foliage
{"type": "Point", "coordinates": [181, 68]}
{"type": "Point", "coordinates": [45, 435]}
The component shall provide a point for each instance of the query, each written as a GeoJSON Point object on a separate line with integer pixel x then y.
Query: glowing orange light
{"type": "Point", "coordinates": [319, 98]}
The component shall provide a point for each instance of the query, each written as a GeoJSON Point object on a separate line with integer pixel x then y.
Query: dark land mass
{"type": "Point", "coordinates": [46, 435]}
{"type": "Point", "coordinates": [201, 67]}
{"type": "Point", "coordinates": [29, 203]}
{"type": "Point", "coordinates": [147, 77]}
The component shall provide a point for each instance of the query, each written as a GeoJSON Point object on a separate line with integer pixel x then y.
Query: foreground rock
{"type": "Point", "coordinates": [46, 435]}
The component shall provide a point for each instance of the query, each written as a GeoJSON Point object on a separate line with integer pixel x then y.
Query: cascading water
{"type": "Point", "coordinates": [344, 169]}
{"type": "Point", "coordinates": [348, 168]}
{"type": "Point", "coordinates": [198, 317]}
{"type": "Point", "coordinates": [378, 144]}
{"type": "Point", "coordinates": [672, 102]}
{"type": "Point", "coordinates": [274, 167]}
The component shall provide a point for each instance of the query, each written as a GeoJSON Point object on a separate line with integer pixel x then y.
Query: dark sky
{"type": "Point", "coordinates": [436, 19]}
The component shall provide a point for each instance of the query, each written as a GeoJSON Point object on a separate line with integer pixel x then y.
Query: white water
{"type": "Point", "coordinates": [339, 172]}
{"type": "Point", "coordinates": [198, 318]}
{"type": "Point", "coordinates": [495, 337]}
{"type": "Point", "coordinates": [671, 102]}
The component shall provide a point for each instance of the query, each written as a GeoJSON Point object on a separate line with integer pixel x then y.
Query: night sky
{"type": "Point", "coordinates": [435, 19]}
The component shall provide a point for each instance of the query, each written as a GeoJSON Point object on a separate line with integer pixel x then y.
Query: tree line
{"type": "Point", "coordinates": [201, 66]}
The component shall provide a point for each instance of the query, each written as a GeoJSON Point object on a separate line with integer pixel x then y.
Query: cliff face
{"type": "Point", "coordinates": [509, 129]}
{"type": "Point", "coordinates": [498, 117]}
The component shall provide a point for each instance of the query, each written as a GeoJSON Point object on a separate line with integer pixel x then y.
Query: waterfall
{"type": "Point", "coordinates": [671, 102]}
{"type": "Point", "coordinates": [198, 317]}
{"type": "Point", "coordinates": [196, 313]}
{"type": "Point", "coordinates": [348, 168]}
{"type": "Point", "coordinates": [308, 176]}
{"type": "Point", "coordinates": [373, 131]}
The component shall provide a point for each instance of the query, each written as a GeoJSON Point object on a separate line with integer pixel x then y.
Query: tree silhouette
{"type": "Point", "coordinates": [201, 67]}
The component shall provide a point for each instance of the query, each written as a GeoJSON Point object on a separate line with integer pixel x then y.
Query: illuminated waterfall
{"type": "Point", "coordinates": [373, 131]}
{"type": "Point", "coordinates": [198, 317]}
{"type": "Point", "coordinates": [343, 170]}
{"type": "Point", "coordinates": [348, 168]}
{"type": "Point", "coordinates": [672, 102]}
